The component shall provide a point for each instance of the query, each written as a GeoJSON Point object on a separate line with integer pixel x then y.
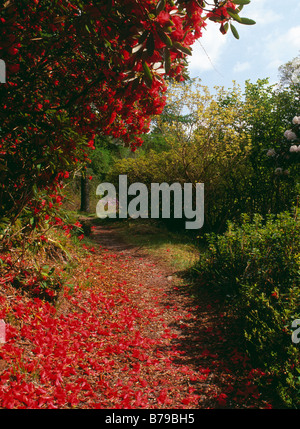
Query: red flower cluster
{"type": "Point", "coordinates": [76, 69]}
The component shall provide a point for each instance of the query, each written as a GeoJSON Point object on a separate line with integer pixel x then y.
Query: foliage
{"type": "Point", "coordinates": [256, 266]}
{"type": "Point", "coordinates": [290, 74]}
{"type": "Point", "coordinates": [268, 113]}
{"type": "Point", "coordinates": [222, 141]}
{"type": "Point", "coordinates": [153, 141]}
{"type": "Point", "coordinates": [286, 158]}
{"type": "Point", "coordinates": [75, 69]}
{"type": "Point", "coordinates": [107, 151]}
{"type": "Point", "coordinates": [31, 262]}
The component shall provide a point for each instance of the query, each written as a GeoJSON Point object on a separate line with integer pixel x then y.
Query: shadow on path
{"type": "Point", "coordinates": [206, 340]}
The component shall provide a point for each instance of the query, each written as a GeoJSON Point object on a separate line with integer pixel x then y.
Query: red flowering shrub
{"type": "Point", "coordinates": [75, 69]}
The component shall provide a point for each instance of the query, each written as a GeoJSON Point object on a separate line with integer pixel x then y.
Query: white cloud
{"type": "Point", "coordinates": [241, 66]}
{"type": "Point", "coordinates": [260, 11]}
{"type": "Point", "coordinates": [207, 52]}
{"type": "Point", "coordinates": [293, 37]}
{"type": "Point", "coordinates": [260, 51]}
{"type": "Point", "coordinates": [283, 47]}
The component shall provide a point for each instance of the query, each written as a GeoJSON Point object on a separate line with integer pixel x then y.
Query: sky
{"type": "Point", "coordinates": [261, 49]}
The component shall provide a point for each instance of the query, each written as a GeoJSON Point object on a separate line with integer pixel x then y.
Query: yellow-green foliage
{"type": "Point", "coordinates": [208, 145]}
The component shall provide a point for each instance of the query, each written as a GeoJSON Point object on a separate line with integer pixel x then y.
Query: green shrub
{"type": "Point", "coordinates": [256, 267]}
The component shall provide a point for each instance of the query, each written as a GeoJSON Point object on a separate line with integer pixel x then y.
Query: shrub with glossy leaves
{"type": "Point", "coordinates": [256, 267]}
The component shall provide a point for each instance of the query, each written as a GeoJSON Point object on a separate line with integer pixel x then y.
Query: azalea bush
{"type": "Point", "coordinates": [75, 69]}
{"type": "Point", "coordinates": [255, 267]}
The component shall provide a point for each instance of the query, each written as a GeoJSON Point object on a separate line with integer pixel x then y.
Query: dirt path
{"type": "Point", "coordinates": [199, 345]}
{"type": "Point", "coordinates": [127, 334]}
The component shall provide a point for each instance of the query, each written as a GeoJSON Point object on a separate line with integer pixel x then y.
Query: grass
{"type": "Point", "coordinates": [178, 250]}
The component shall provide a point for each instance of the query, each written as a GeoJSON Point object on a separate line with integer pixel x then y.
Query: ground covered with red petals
{"type": "Point", "coordinates": [132, 338]}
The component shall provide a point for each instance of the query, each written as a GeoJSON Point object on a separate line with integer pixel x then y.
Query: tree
{"type": "Point", "coordinates": [77, 68]}
{"type": "Point", "coordinates": [206, 145]}
{"type": "Point", "coordinates": [225, 142]}
{"type": "Point", "coordinates": [290, 73]}
{"type": "Point", "coordinates": [269, 112]}
{"type": "Point", "coordinates": [106, 150]}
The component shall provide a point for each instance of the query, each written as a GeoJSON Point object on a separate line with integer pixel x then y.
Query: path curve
{"type": "Point", "coordinates": [198, 338]}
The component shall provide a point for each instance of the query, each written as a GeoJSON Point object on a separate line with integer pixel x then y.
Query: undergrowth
{"type": "Point", "coordinates": [255, 267]}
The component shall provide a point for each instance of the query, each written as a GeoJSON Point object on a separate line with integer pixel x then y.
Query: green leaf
{"type": "Point", "coordinates": [181, 48]}
{"type": "Point", "coordinates": [165, 38]}
{"type": "Point", "coordinates": [34, 189]}
{"type": "Point", "coordinates": [169, 28]}
{"type": "Point", "coordinates": [234, 16]}
{"type": "Point", "coordinates": [160, 6]}
{"type": "Point", "coordinates": [150, 45]}
{"type": "Point", "coordinates": [247, 21]}
{"type": "Point", "coordinates": [224, 28]}
{"type": "Point", "coordinates": [147, 74]}
{"type": "Point", "coordinates": [234, 31]}
{"type": "Point", "coordinates": [167, 60]}
{"type": "Point", "coordinates": [242, 2]}
{"type": "Point", "coordinates": [143, 37]}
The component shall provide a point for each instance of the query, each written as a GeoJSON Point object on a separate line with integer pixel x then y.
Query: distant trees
{"type": "Point", "coordinates": [290, 73]}
{"type": "Point", "coordinates": [223, 141]}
